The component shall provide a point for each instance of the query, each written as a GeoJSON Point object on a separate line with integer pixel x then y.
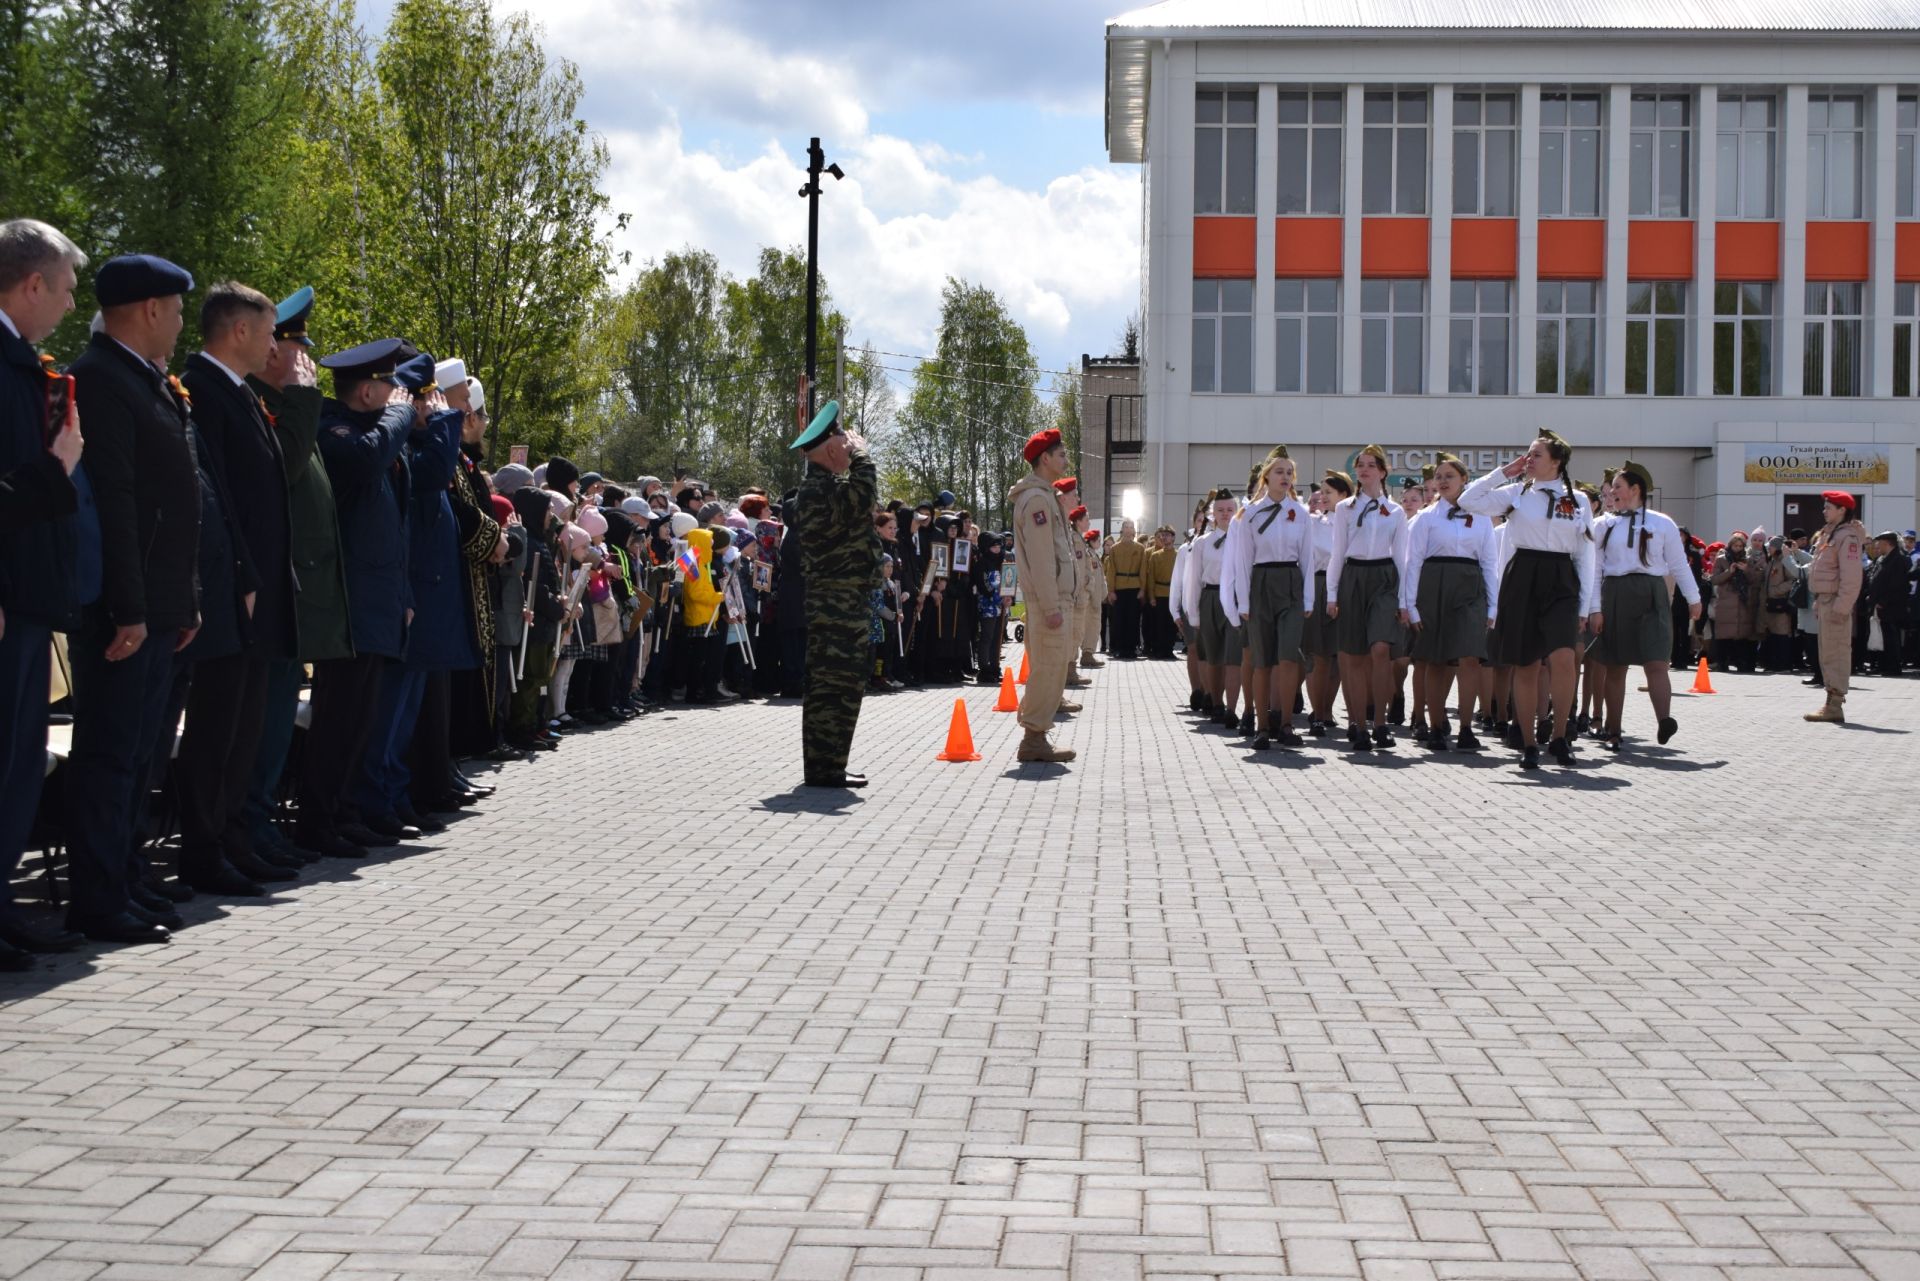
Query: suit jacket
{"type": "Point", "coordinates": [48, 568]}
{"type": "Point", "coordinates": [34, 493]}
{"type": "Point", "coordinates": [443, 633]}
{"type": "Point", "coordinates": [225, 576]}
{"type": "Point", "coordinates": [147, 486]}
{"type": "Point", "coordinates": [244, 459]}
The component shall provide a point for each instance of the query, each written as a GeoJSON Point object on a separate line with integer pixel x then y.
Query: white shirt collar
{"type": "Point", "coordinates": [7, 320]}
{"type": "Point", "coordinates": [216, 362]}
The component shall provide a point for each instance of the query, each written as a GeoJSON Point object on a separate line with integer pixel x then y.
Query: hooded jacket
{"type": "Point", "coordinates": [699, 598]}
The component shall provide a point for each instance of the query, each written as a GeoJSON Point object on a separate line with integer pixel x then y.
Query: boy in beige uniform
{"type": "Point", "coordinates": [1044, 552]}
{"type": "Point", "coordinates": [1096, 597]}
{"type": "Point", "coordinates": [1067, 491]}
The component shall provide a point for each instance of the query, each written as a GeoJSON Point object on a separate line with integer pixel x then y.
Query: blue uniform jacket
{"type": "Point", "coordinates": [367, 466]}
{"type": "Point", "coordinates": [49, 568]}
{"type": "Point", "coordinates": [442, 637]}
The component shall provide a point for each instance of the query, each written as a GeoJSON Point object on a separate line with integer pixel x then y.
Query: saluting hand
{"type": "Point", "coordinates": [304, 374]}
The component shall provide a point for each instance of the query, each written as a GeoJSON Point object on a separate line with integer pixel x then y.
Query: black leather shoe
{"type": "Point", "coordinates": [225, 880]}
{"type": "Point", "coordinates": [123, 927]}
{"type": "Point", "coordinates": [167, 919]}
{"type": "Point", "coordinates": [1815, 680]}
{"type": "Point", "coordinates": [1561, 750]}
{"type": "Point", "coordinates": [13, 960]}
{"type": "Point", "coordinates": [1248, 724]}
{"type": "Point", "coordinates": [1383, 738]}
{"type": "Point", "coordinates": [361, 834]}
{"type": "Point", "coordinates": [1466, 741]}
{"type": "Point", "coordinates": [387, 825]}
{"type": "Point", "coordinates": [838, 780]}
{"type": "Point", "coordinates": [451, 801]}
{"type": "Point", "coordinates": [284, 857]}
{"type": "Point", "coordinates": [1530, 758]}
{"type": "Point", "coordinates": [1668, 728]}
{"type": "Point", "coordinates": [22, 937]}
{"type": "Point", "coordinates": [155, 900]}
{"type": "Point", "coordinates": [425, 822]}
{"type": "Point", "coordinates": [1319, 728]}
{"type": "Point", "coordinates": [1436, 741]}
{"type": "Point", "coordinates": [1263, 742]}
{"type": "Point", "coordinates": [1357, 736]}
{"type": "Point", "coordinates": [258, 869]}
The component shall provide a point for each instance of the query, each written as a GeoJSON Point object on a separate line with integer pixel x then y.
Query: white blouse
{"type": "Point", "coordinates": [1204, 557]}
{"type": "Point", "coordinates": [1365, 528]}
{"type": "Point", "coordinates": [1445, 530]}
{"type": "Point", "coordinates": [1545, 517]}
{"type": "Point", "coordinates": [1619, 536]}
{"type": "Point", "coordinates": [1265, 532]}
{"type": "Point", "coordinates": [1322, 543]}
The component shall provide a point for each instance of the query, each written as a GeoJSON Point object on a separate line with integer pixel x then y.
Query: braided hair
{"type": "Point", "coordinates": [1634, 478]}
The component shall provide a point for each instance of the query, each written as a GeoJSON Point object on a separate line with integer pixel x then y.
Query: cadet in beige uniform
{"type": "Point", "coordinates": [1088, 542]}
{"type": "Point", "coordinates": [1044, 552]}
{"type": "Point", "coordinates": [1066, 491]}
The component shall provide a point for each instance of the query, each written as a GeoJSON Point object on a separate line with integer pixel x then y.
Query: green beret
{"type": "Point", "coordinates": [824, 423]}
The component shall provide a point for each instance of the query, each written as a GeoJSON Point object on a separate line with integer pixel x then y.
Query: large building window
{"type": "Point", "coordinates": [1748, 123]}
{"type": "Point", "coordinates": [1225, 122]}
{"type": "Point", "coordinates": [1393, 336]}
{"type": "Point", "coordinates": [1485, 148]}
{"type": "Point", "coordinates": [1833, 360]}
{"type": "Point", "coordinates": [1660, 151]}
{"type": "Point", "coordinates": [1393, 153]}
{"type": "Point", "coordinates": [1307, 336]}
{"type": "Point", "coordinates": [1836, 144]}
{"type": "Point", "coordinates": [1479, 338]}
{"type": "Point", "coordinates": [1566, 338]}
{"type": "Point", "coordinates": [1570, 155]}
{"type": "Point", "coordinates": [1906, 143]}
{"type": "Point", "coordinates": [1906, 340]}
{"type": "Point", "coordinates": [1657, 338]}
{"type": "Point", "coordinates": [1743, 338]}
{"type": "Point", "coordinates": [1223, 335]}
{"type": "Point", "coordinates": [1309, 164]}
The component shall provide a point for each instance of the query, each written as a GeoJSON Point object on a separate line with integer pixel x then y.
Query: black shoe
{"type": "Point", "coordinates": [1668, 728]}
{"type": "Point", "coordinates": [1582, 723]}
{"type": "Point", "coordinates": [1196, 702]}
{"type": "Point", "coordinates": [1511, 736]}
{"type": "Point", "coordinates": [123, 927]}
{"type": "Point", "coordinates": [146, 896]}
{"type": "Point", "coordinates": [1319, 729]}
{"type": "Point", "coordinates": [337, 846]}
{"type": "Point", "coordinates": [1357, 736]}
{"type": "Point", "coordinates": [13, 960]}
{"type": "Point", "coordinates": [1383, 738]}
{"type": "Point", "coordinates": [1421, 733]}
{"type": "Point", "coordinates": [223, 879]}
{"type": "Point", "coordinates": [837, 781]}
{"type": "Point", "coordinates": [1530, 758]}
{"type": "Point", "coordinates": [286, 858]}
{"type": "Point", "coordinates": [1465, 740]}
{"type": "Point", "coordinates": [256, 869]}
{"type": "Point", "coordinates": [1397, 711]}
{"type": "Point", "coordinates": [1561, 750]}
{"type": "Point", "coordinates": [1610, 741]}
{"type": "Point", "coordinates": [22, 937]}
{"type": "Point", "coordinates": [1287, 738]}
{"type": "Point", "coordinates": [1248, 724]}
{"type": "Point", "coordinates": [1437, 741]}
{"type": "Point", "coordinates": [167, 919]}
{"type": "Point", "coordinates": [176, 892]}
{"type": "Point", "coordinates": [1543, 729]}
{"type": "Point", "coordinates": [388, 825]}
{"type": "Point", "coordinates": [452, 801]}
{"type": "Point", "coordinates": [1262, 743]}
{"type": "Point", "coordinates": [361, 834]}
{"type": "Point", "coordinates": [1815, 680]}
{"type": "Point", "coordinates": [425, 822]}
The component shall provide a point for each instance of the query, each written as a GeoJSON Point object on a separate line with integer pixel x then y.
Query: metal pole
{"type": "Point", "coordinates": [816, 161]}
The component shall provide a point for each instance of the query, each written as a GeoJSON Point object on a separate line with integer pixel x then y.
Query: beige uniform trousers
{"type": "Point", "coordinates": [1090, 628]}
{"type": "Point", "coordinates": [1050, 652]}
{"type": "Point", "coordinates": [1836, 643]}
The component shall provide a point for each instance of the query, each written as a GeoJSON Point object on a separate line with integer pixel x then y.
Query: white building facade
{"type": "Point", "coordinates": [1686, 233]}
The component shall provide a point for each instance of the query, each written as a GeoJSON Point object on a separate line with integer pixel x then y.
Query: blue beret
{"type": "Point", "coordinates": [290, 317]}
{"type": "Point", "coordinates": [416, 373]}
{"type": "Point", "coordinates": [138, 277]}
{"type": "Point", "coordinates": [823, 425]}
{"type": "Point", "coordinates": [376, 359]}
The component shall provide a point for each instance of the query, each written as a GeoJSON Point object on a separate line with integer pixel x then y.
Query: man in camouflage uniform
{"type": "Point", "coordinates": [841, 556]}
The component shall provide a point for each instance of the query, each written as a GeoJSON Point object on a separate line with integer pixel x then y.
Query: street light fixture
{"type": "Point", "coordinates": [816, 165]}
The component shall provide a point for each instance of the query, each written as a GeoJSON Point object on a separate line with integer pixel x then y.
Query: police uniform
{"type": "Point", "coordinates": [842, 564]}
{"type": "Point", "coordinates": [1044, 551]}
{"type": "Point", "coordinates": [1126, 568]}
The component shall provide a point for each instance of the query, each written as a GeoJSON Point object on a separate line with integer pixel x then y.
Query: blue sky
{"type": "Point", "coordinates": [971, 136]}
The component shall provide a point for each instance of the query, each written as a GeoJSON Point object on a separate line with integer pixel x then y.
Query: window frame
{"type": "Point", "coordinates": [1821, 351]}
{"type": "Point", "coordinates": [1566, 131]}
{"type": "Point", "coordinates": [1477, 325]}
{"type": "Point", "coordinates": [1304, 343]}
{"type": "Point", "coordinates": [1559, 315]}
{"type": "Point", "coordinates": [1475, 138]}
{"type": "Point", "coordinates": [1906, 155]}
{"type": "Point", "coordinates": [1247, 131]}
{"type": "Point", "coordinates": [1318, 204]}
{"type": "Point", "coordinates": [1391, 324]}
{"type": "Point", "coordinates": [1906, 331]}
{"type": "Point", "coordinates": [1217, 316]}
{"type": "Point", "coordinates": [1739, 329]}
{"type": "Point", "coordinates": [1657, 132]}
{"type": "Point", "coordinates": [1399, 194]}
{"type": "Point", "coordinates": [1821, 140]}
{"type": "Point", "coordinates": [1741, 132]}
{"type": "Point", "coordinates": [1658, 330]}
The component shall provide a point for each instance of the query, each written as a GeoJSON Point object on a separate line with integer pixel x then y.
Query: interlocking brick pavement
{"type": "Point", "coordinates": [1170, 1012]}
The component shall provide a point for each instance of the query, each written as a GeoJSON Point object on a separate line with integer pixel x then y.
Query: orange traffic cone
{"type": "Point", "coordinates": [1009, 701]}
{"type": "Point", "coordinates": [1702, 684]}
{"type": "Point", "coordinates": [959, 736]}
{"type": "Point", "coordinates": [1023, 667]}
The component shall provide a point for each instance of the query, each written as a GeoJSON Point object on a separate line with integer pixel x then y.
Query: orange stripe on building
{"type": "Point", "coordinates": [1486, 248]}
{"type": "Point", "coordinates": [1660, 249]}
{"type": "Point", "coordinates": [1837, 250]}
{"type": "Point", "coordinates": [1574, 249]}
{"type": "Point", "coordinates": [1223, 248]}
{"type": "Point", "coordinates": [1309, 247]}
{"type": "Point", "coordinates": [1906, 251]}
{"type": "Point", "coordinates": [1746, 251]}
{"type": "Point", "coordinates": [1393, 247]}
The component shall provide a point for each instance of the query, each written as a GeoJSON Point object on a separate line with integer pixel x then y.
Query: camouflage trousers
{"type": "Point", "coordinates": [839, 661]}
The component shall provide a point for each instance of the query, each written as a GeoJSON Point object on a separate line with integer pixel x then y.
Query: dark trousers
{"type": "Point", "coordinates": [117, 710]}
{"type": "Point", "coordinates": [793, 660]}
{"type": "Point", "coordinates": [431, 758]}
{"type": "Point", "coordinates": [1159, 629]}
{"type": "Point", "coordinates": [24, 665]}
{"type": "Point", "coordinates": [1124, 627]}
{"type": "Point", "coordinates": [225, 709]}
{"type": "Point", "coordinates": [503, 685]}
{"type": "Point", "coordinates": [526, 721]}
{"type": "Point", "coordinates": [1887, 661]}
{"type": "Point", "coordinates": [345, 701]}
{"type": "Point", "coordinates": [384, 775]}
{"type": "Point", "coordinates": [280, 708]}
{"type": "Point", "coordinates": [987, 650]}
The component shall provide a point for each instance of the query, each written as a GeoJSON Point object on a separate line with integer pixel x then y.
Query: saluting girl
{"type": "Point", "coordinates": [1449, 597]}
{"type": "Point", "coordinates": [1363, 596]}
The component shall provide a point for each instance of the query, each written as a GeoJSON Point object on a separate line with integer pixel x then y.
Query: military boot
{"type": "Point", "coordinates": [1090, 659]}
{"type": "Point", "coordinates": [1068, 705]}
{"type": "Point", "coordinates": [1831, 713]}
{"type": "Point", "coordinates": [1035, 747]}
{"type": "Point", "coordinates": [1076, 681]}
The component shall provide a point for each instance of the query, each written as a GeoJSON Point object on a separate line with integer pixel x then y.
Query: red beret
{"type": "Point", "coordinates": [1065, 485]}
{"type": "Point", "coordinates": [1839, 498]}
{"type": "Point", "coordinates": [1040, 442]}
{"type": "Point", "coordinates": [1077, 513]}
{"type": "Point", "coordinates": [502, 507]}
{"type": "Point", "coordinates": [1093, 535]}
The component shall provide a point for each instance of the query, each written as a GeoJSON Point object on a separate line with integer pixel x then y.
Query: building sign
{"type": "Point", "coordinates": [1404, 464]}
{"type": "Point", "coordinates": [1770, 463]}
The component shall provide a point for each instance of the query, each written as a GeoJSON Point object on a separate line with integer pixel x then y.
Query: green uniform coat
{"type": "Point", "coordinates": [840, 553]}
{"type": "Point", "coordinates": [321, 603]}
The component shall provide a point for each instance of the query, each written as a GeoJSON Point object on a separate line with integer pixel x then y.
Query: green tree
{"type": "Point", "coordinates": [668, 361]}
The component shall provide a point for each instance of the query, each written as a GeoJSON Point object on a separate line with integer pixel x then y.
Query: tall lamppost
{"type": "Point", "coordinates": [816, 165]}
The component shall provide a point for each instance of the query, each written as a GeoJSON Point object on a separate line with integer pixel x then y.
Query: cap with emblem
{"type": "Point", "coordinates": [290, 317]}
{"type": "Point", "coordinates": [1640, 474]}
{"type": "Point", "coordinates": [1040, 442]}
{"type": "Point", "coordinates": [138, 277]}
{"type": "Point", "coordinates": [416, 374]}
{"type": "Point", "coordinates": [824, 424]}
{"type": "Point", "coordinates": [376, 360]}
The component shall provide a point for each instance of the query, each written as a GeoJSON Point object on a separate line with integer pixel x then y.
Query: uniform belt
{"type": "Point", "coordinates": [1641, 573]}
{"type": "Point", "coordinates": [1276, 564]}
{"type": "Point", "coordinates": [1379, 560]}
{"type": "Point", "coordinates": [1126, 580]}
{"type": "Point", "coordinates": [1452, 560]}
{"type": "Point", "coordinates": [1209, 587]}
{"type": "Point", "coordinates": [1542, 551]}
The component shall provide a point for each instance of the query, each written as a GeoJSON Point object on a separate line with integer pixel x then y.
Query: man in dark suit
{"type": "Point", "coordinates": [363, 434]}
{"type": "Point", "coordinates": [226, 704]}
{"type": "Point", "coordinates": [48, 568]}
{"type": "Point", "coordinates": [147, 484]}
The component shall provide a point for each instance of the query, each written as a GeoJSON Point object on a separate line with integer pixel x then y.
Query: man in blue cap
{"type": "Point", "coordinates": [363, 434]}
{"type": "Point", "coordinates": [841, 559]}
{"type": "Point", "coordinates": [146, 481]}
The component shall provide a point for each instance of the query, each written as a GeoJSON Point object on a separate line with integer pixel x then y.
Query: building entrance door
{"type": "Point", "coordinates": [1808, 512]}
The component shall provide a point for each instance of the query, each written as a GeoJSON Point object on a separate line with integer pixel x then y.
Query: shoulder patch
{"type": "Point", "coordinates": [341, 431]}
{"type": "Point", "coordinates": [1039, 517]}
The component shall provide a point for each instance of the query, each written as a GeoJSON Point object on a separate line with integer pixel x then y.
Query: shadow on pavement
{"type": "Point", "coordinates": [811, 800]}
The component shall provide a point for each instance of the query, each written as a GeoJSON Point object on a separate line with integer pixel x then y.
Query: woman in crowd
{"type": "Point", "coordinates": [1363, 597]}
{"type": "Point", "coordinates": [1776, 617]}
{"type": "Point", "coordinates": [1738, 582]}
{"type": "Point", "coordinates": [1264, 588]}
{"type": "Point", "coordinates": [1640, 552]}
{"type": "Point", "coordinates": [1319, 645]}
{"type": "Point", "coordinates": [990, 562]}
{"type": "Point", "coordinates": [1549, 585]}
{"type": "Point", "coordinates": [1448, 598]}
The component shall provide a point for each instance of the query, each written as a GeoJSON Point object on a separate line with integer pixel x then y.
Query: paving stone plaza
{"type": "Point", "coordinates": [1168, 1012]}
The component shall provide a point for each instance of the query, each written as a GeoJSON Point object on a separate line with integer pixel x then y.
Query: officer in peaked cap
{"type": "Point", "coordinates": [364, 427]}
{"type": "Point", "coordinates": [290, 317]}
